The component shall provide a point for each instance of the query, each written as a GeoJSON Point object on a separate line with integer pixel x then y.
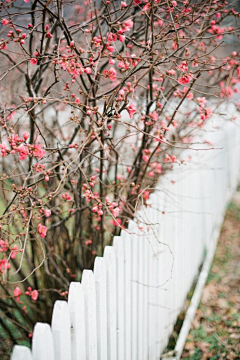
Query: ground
{"type": "Point", "coordinates": [215, 332]}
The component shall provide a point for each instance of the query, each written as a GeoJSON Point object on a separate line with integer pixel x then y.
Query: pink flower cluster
{"type": "Point", "coordinates": [17, 292]}
{"type": "Point", "coordinates": [23, 149]}
{"type": "Point", "coordinates": [42, 230]}
{"type": "Point", "coordinates": [111, 74]}
{"type": "Point", "coordinates": [66, 196]}
{"type": "Point", "coordinates": [185, 79]}
{"type": "Point", "coordinates": [131, 109]}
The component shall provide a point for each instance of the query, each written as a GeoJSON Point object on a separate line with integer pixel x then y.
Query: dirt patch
{"type": "Point", "coordinates": [215, 332]}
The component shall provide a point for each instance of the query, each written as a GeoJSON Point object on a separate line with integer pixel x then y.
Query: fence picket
{"type": "Point", "coordinates": [100, 275]}
{"type": "Point", "coordinates": [126, 243]}
{"type": "Point", "coordinates": [110, 259]}
{"type": "Point", "coordinates": [134, 278]}
{"type": "Point", "coordinates": [140, 284]}
{"type": "Point", "coordinates": [42, 344]}
{"type": "Point", "coordinates": [89, 291]}
{"type": "Point", "coordinates": [21, 352]}
{"type": "Point", "coordinates": [77, 319]}
{"type": "Point", "coordinates": [117, 245]}
{"type": "Point", "coordinates": [61, 330]}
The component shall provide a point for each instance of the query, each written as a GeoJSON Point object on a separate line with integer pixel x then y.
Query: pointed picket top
{"type": "Point", "coordinates": [110, 260]}
{"type": "Point", "coordinates": [61, 331]}
{"type": "Point", "coordinates": [42, 344]}
{"type": "Point", "coordinates": [77, 319]}
{"type": "Point", "coordinates": [89, 291]}
{"type": "Point", "coordinates": [100, 275]}
{"type": "Point", "coordinates": [21, 352]}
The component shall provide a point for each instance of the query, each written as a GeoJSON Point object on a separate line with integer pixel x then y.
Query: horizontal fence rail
{"type": "Point", "coordinates": [126, 308]}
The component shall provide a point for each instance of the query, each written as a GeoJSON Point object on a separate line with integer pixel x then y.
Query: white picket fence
{"type": "Point", "coordinates": [125, 309]}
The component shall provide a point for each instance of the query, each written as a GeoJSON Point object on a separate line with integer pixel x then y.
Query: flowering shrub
{"type": "Point", "coordinates": [97, 102]}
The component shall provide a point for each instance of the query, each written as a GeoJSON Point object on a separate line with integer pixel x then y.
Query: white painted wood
{"type": "Point", "coordinates": [126, 238]}
{"type": "Point", "coordinates": [110, 260]}
{"type": "Point", "coordinates": [134, 278]}
{"type": "Point", "coordinates": [100, 276]}
{"type": "Point", "coordinates": [42, 343]}
{"type": "Point", "coordinates": [61, 330]}
{"type": "Point", "coordinates": [21, 352]}
{"type": "Point", "coordinates": [89, 291]}
{"type": "Point", "coordinates": [77, 319]}
{"type": "Point", "coordinates": [118, 248]}
{"type": "Point", "coordinates": [146, 292]}
{"type": "Point", "coordinates": [140, 284]}
{"type": "Point", "coordinates": [153, 239]}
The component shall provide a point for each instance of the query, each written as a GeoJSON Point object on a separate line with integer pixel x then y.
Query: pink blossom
{"type": "Point", "coordinates": [115, 212]}
{"type": "Point", "coordinates": [127, 25]}
{"type": "Point", "coordinates": [167, 158]}
{"type": "Point", "coordinates": [202, 101]}
{"type": "Point", "coordinates": [116, 222]}
{"type": "Point", "coordinates": [185, 79]}
{"type": "Point", "coordinates": [34, 295]}
{"type": "Point", "coordinates": [183, 66]}
{"type": "Point", "coordinates": [131, 110]}
{"type": "Point", "coordinates": [66, 196]}
{"type": "Point", "coordinates": [5, 22]}
{"type": "Point", "coordinates": [4, 265]}
{"type": "Point", "coordinates": [154, 116]}
{"type": "Point", "coordinates": [26, 135]}
{"type": "Point", "coordinates": [174, 45]}
{"type": "Point", "coordinates": [171, 72]}
{"type": "Point", "coordinates": [3, 149]}
{"type": "Point", "coordinates": [111, 73]}
{"type": "Point", "coordinates": [146, 194]}
{"type": "Point", "coordinates": [88, 242]}
{"type": "Point", "coordinates": [124, 64]}
{"type": "Point", "coordinates": [206, 113]}
{"type": "Point", "coordinates": [111, 61]}
{"type": "Point", "coordinates": [49, 35]}
{"type": "Point", "coordinates": [47, 212]}
{"type": "Point", "coordinates": [33, 61]}
{"type": "Point", "coordinates": [14, 252]}
{"type": "Point", "coordinates": [23, 152]}
{"type": "Point", "coordinates": [39, 167]}
{"type": "Point", "coordinates": [123, 4]}
{"type": "Point", "coordinates": [17, 292]}
{"type": "Point", "coordinates": [110, 48]}
{"type": "Point", "coordinates": [88, 70]}
{"type": "Point", "coordinates": [42, 230]}
{"type": "Point", "coordinates": [151, 173]}
{"type": "Point", "coordinates": [38, 151]}
{"type": "Point", "coordinates": [147, 7]}
{"type": "Point", "coordinates": [145, 158]}
{"type": "Point", "coordinates": [190, 96]}
{"type": "Point", "coordinates": [112, 37]}
{"type": "Point", "coordinates": [121, 38]}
